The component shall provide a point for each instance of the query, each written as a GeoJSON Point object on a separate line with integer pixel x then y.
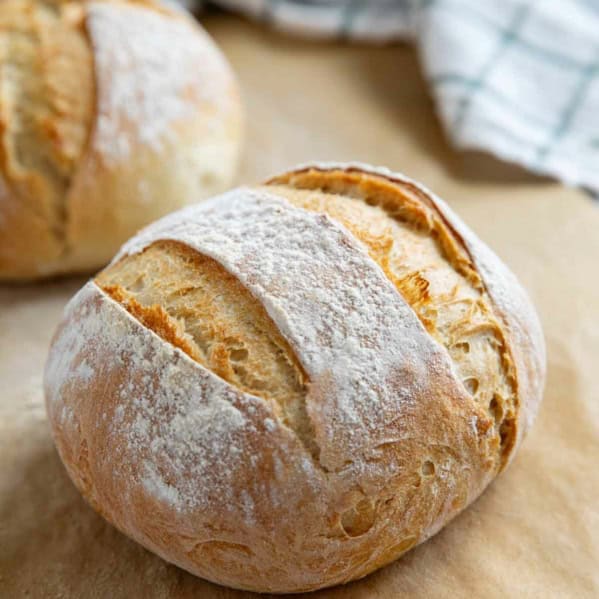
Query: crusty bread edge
{"type": "Point", "coordinates": [510, 300]}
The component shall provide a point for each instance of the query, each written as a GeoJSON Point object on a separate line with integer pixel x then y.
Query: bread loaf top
{"type": "Point", "coordinates": [289, 386]}
{"type": "Point", "coordinates": [515, 313]}
{"type": "Point", "coordinates": [46, 107]}
{"type": "Point", "coordinates": [93, 96]}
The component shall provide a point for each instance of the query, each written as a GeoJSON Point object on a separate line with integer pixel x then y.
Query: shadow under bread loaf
{"type": "Point", "coordinates": [94, 98]}
{"type": "Point", "coordinates": [291, 385]}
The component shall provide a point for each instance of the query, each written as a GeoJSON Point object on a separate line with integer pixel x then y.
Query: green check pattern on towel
{"type": "Point", "coordinates": [518, 78]}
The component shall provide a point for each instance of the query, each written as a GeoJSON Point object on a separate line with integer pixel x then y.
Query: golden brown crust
{"type": "Point", "coordinates": [434, 274]}
{"type": "Point", "coordinates": [67, 104]}
{"type": "Point", "coordinates": [202, 467]}
{"type": "Point", "coordinates": [46, 112]}
{"type": "Point", "coordinates": [47, 100]}
{"type": "Point", "coordinates": [522, 347]}
{"type": "Point", "coordinates": [154, 318]}
{"type": "Point", "coordinates": [193, 303]}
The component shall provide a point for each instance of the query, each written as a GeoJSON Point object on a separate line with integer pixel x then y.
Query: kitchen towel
{"type": "Point", "coordinates": [517, 78]}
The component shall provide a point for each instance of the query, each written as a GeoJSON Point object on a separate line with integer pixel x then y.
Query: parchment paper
{"type": "Point", "coordinates": [534, 533]}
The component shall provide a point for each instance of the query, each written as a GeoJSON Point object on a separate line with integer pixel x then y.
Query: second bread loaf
{"type": "Point", "coordinates": [112, 113]}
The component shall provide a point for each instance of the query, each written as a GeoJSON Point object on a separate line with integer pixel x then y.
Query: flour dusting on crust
{"type": "Point", "coordinates": [367, 355]}
{"type": "Point", "coordinates": [174, 421]}
{"type": "Point", "coordinates": [519, 316]}
{"type": "Point", "coordinates": [210, 477]}
{"type": "Point", "coordinates": [153, 70]}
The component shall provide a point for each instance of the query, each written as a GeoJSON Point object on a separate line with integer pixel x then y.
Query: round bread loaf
{"type": "Point", "coordinates": [289, 386]}
{"type": "Point", "coordinates": [112, 113]}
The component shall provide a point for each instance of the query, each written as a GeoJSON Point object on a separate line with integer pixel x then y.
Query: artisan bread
{"type": "Point", "coordinates": [112, 113]}
{"type": "Point", "coordinates": [289, 386]}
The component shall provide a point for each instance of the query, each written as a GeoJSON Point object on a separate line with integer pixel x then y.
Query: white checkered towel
{"type": "Point", "coordinates": [518, 78]}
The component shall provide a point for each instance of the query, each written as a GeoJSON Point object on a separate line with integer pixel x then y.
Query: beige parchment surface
{"type": "Point", "coordinates": [534, 533]}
